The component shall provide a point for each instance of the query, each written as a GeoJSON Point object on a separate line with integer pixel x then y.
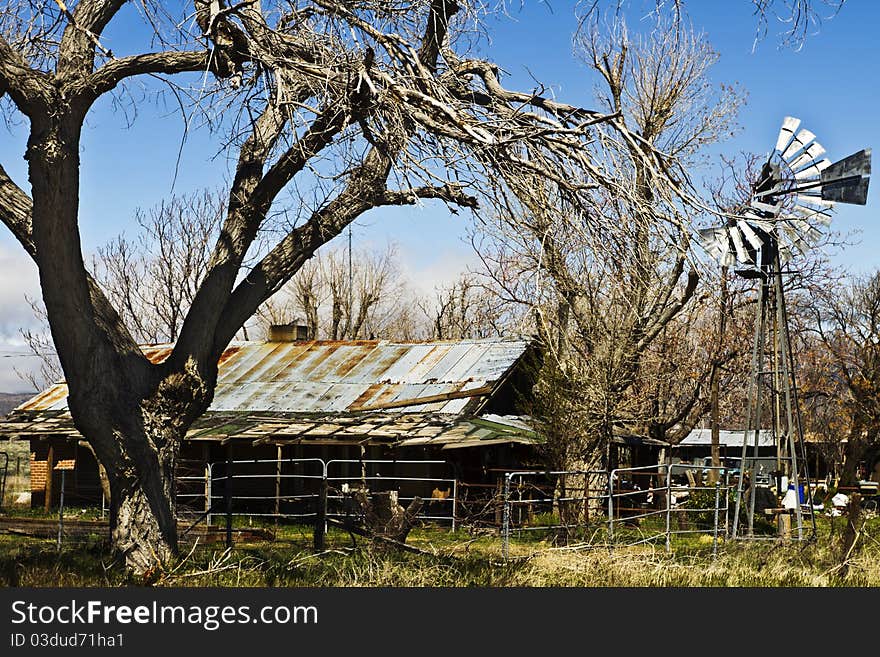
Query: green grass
{"type": "Point", "coordinates": [458, 559]}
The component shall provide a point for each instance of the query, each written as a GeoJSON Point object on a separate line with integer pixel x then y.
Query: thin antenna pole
{"type": "Point", "coordinates": [350, 284]}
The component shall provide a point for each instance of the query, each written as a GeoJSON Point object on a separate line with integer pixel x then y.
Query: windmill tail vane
{"type": "Point", "coordinates": [795, 190]}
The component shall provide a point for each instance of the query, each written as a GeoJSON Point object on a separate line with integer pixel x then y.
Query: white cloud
{"type": "Point", "coordinates": [18, 277]}
{"type": "Point", "coordinates": [428, 276]}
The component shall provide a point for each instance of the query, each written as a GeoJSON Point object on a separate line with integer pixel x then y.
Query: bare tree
{"type": "Point", "coordinates": [347, 295]}
{"type": "Point", "coordinates": [603, 298]}
{"type": "Point", "coordinates": [466, 309]}
{"type": "Point", "coordinates": [380, 103]}
{"type": "Point", "coordinates": [153, 278]}
{"type": "Point", "coordinates": [843, 375]}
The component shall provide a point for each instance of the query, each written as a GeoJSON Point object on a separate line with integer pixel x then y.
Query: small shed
{"type": "Point", "coordinates": [696, 448]}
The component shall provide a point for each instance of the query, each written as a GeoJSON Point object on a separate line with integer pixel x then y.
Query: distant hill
{"type": "Point", "coordinates": [9, 400]}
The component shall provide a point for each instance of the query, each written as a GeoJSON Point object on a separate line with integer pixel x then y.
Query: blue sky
{"type": "Point", "coordinates": [830, 83]}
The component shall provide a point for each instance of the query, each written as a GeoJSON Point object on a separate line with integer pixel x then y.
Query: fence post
{"type": "Point", "coordinates": [611, 506]}
{"type": "Point", "coordinates": [321, 514]}
{"type": "Point", "coordinates": [61, 510]}
{"type": "Point", "coordinates": [454, 502]}
{"type": "Point", "coordinates": [715, 528]}
{"type": "Point", "coordinates": [668, 508]}
{"type": "Point", "coordinates": [209, 478]}
{"type": "Point", "coordinates": [505, 519]}
{"type": "Point", "coordinates": [726, 504]}
{"type": "Point", "coordinates": [227, 493]}
{"type": "Point", "coordinates": [278, 484]}
{"type": "Point", "coordinates": [5, 475]}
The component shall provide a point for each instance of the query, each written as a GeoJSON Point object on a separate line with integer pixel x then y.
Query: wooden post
{"type": "Point", "coordinates": [61, 511]}
{"type": "Point", "coordinates": [783, 526]}
{"type": "Point", "coordinates": [50, 464]}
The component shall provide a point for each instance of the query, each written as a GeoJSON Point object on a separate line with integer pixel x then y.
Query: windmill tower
{"type": "Point", "coordinates": [793, 196]}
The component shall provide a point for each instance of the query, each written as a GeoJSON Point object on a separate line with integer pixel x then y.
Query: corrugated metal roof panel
{"type": "Point", "coordinates": [340, 375]}
{"type": "Point", "coordinates": [46, 399]}
{"type": "Point", "coordinates": [373, 367]}
{"type": "Point", "coordinates": [458, 372]}
{"type": "Point", "coordinates": [730, 438]}
{"type": "Point", "coordinates": [496, 361]}
{"type": "Point", "coordinates": [441, 370]}
{"type": "Point", "coordinates": [401, 370]}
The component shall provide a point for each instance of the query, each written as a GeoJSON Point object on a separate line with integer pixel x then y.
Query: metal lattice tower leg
{"type": "Point", "coordinates": [778, 383]}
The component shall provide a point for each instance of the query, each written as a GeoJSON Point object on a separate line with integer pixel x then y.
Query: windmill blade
{"type": "Point", "coordinates": [813, 152]}
{"type": "Point", "coordinates": [810, 214]}
{"type": "Point", "coordinates": [711, 236]}
{"type": "Point", "coordinates": [813, 202]}
{"type": "Point", "coordinates": [847, 181]}
{"type": "Point", "coordinates": [726, 258]}
{"type": "Point", "coordinates": [750, 235]}
{"type": "Point", "coordinates": [797, 144]}
{"type": "Point", "coordinates": [786, 132]}
{"type": "Point", "coordinates": [814, 170]}
{"type": "Point", "coordinates": [794, 238]}
{"type": "Point", "coordinates": [772, 210]}
{"type": "Point", "coordinates": [764, 229]}
{"type": "Point", "coordinates": [714, 241]}
{"type": "Point", "coordinates": [785, 254]}
{"type": "Point", "coordinates": [808, 233]}
{"type": "Point", "coordinates": [775, 190]}
{"type": "Point", "coordinates": [741, 253]}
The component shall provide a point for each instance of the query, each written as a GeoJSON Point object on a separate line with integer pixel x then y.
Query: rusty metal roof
{"type": "Point", "coordinates": [343, 376]}
{"type": "Point", "coordinates": [438, 430]}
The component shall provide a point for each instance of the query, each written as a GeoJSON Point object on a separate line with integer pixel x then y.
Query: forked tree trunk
{"type": "Point", "coordinates": [138, 442]}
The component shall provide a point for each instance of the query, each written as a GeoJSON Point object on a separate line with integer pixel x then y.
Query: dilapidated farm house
{"type": "Point", "coordinates": [346, 401]}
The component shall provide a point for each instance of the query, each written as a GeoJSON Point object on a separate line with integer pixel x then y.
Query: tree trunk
{"type": "Point", "coordinates": [138, 442]}
{"type": "Point", "coordinates": [854, 520]}
{"type": "Point", "coordinates": [852, 454]}
{"type": "Point", "coordinates": [143, 525]}
{"type": "Point", "coordinates": [384, 517]}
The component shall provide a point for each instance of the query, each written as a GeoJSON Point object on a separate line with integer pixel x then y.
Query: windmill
{"type": "Point", "coordinates": [791, 200]}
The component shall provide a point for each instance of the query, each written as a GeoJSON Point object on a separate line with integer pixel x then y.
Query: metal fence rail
{"type": "Point", "coordinates": [623, 507]}
{"type": "Point", "coordinates": [282, 489]}
{"type": "Point", "coordinates": [557, 501]}
{"type": "Point", "coordinates": [636, 497]}
{"type": "Point", "coordinates": [439, 494]}
{"type": "Point", "coordinates": [700, 507]}
{"type": "Point", "coordinates": [309, 490]}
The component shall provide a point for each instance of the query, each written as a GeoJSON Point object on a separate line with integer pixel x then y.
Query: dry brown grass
{"type": "Point", "coordinates": [457, 560]}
